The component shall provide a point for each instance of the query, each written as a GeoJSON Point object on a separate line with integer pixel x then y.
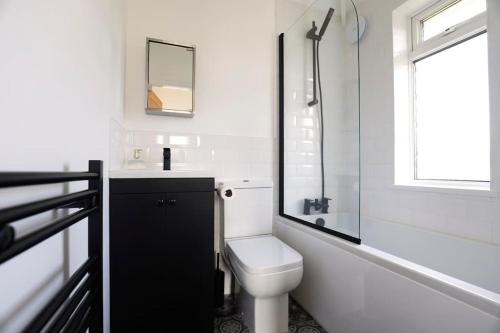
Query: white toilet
{"type": "Point", "coordinates": [265, 267]}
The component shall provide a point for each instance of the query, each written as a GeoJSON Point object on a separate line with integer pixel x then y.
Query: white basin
{"type": "Point", "coordinates": [160, 174]}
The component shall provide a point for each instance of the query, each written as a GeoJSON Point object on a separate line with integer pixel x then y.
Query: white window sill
{"type": "Point", "coordinates": [458, 188]}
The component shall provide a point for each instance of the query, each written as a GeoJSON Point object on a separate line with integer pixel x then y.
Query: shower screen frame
{"type": "Point", "coordinates": [281, 120]}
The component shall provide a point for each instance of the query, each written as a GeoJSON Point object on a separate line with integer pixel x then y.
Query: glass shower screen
{"type": "Point", "coordinates": [319, 119]}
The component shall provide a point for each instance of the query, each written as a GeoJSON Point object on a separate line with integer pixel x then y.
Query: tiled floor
{"type": "Point", "coordinates": [299, 322]}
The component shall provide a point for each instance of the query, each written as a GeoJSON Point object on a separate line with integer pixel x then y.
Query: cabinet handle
{"type": "Point", "coordinates": [172, 202]}
{"type": "Point", "coordinates": [160, 203]}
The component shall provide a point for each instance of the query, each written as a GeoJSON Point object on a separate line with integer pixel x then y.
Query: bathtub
{"type": "Point", "coordinates": [352, 288]}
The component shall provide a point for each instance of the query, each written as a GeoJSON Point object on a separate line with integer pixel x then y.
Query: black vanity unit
{"type": "Point", "coordinates": [161, 255]}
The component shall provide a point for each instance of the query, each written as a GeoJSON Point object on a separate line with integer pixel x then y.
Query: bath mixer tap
{"type": "Point", "coordinates": [317, 204]}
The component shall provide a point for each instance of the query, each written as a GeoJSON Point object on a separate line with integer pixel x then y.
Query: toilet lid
{"type": "Point", "coordinates": [266, 254]}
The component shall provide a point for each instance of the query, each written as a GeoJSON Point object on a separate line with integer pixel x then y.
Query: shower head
{"type": "Point", "coordinates": [311, 34]}
{"type": "Point", "coordinates": [326, 22]}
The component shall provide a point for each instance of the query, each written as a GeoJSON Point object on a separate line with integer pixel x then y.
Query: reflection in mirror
{"type": "Point", "coordinates": [319, 123]}
{"type": "Point", "coordinates": [170, 79]}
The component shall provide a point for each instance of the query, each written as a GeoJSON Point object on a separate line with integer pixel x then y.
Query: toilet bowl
{"type": "Point", "coordinates": [265, 267]}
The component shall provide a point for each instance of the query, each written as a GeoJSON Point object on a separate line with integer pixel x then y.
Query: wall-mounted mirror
{"type": "Point", "coordinates": [169, 78]}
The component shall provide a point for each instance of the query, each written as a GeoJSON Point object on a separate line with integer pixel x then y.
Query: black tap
{"type": "Point", "coordinates": [325, 205]}
{"type": "Point", "coordinates": [318, 204]}
{"type": "Point", "coordinates": [166, 159]}
{"type": "Point", "coordinates": [307, 206]}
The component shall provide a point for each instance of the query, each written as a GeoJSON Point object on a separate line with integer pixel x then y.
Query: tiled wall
{"type": "Point", "coordinates": [469, 216]}
{"type": "Point", "coordinates": [227, 157]}
{"type": "Point", "coordinates": [302, 123]}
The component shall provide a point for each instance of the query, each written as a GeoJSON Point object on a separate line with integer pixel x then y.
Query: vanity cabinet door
{"type": "Point", "coordinates": [137, 232]}
{"type": "Point", "coordinates": [189, 279]}
{"type": "Point", "coordinates": [161, 258]}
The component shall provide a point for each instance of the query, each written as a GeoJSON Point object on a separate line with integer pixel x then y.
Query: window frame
{"type": "Point", "coordinates": [419, 50]}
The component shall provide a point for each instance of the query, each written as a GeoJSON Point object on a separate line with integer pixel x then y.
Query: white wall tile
{"type": "Point", "coordinates": [462, 216]}
{"type": "Point", "coordinates": [226, 156]}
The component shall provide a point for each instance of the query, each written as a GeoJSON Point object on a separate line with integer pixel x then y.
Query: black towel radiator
{"type": "Point", "coordinates": [78, 305]}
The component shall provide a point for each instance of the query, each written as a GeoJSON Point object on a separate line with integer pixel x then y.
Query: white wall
{"type": "Point", "coordinates": [62, 79]}
{"type": "Point", "coordinates": [465, 217]}
{"type": "Point", "coordinates": [235, 64]}
{"type": "Point", "coordinates": [289, 12]}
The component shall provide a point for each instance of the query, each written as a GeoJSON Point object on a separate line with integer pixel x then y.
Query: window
{"type": "Point", "coordinates": [450, 138]}
{"type": "Point", "coordinates": [451, 15]}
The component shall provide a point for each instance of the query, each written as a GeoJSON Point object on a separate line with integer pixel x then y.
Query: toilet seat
{"type": "Point", "coordinates": [263, 255]}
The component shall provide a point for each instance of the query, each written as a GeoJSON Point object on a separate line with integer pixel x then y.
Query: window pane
{"type": "Point", "coordinates": [452, 113]}
{"type": "Point", "coordinates": [453, 15]}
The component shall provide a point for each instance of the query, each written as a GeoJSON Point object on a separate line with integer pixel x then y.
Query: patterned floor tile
{"type": "Point", "coordinates": [299, 321]}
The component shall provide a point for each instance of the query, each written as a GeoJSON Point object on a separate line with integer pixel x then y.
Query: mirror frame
{"type": "Point", "coordinates": [169, 112]}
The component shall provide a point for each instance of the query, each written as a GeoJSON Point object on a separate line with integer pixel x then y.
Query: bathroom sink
{"type": "Point", "coordinates": [159, 174]}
